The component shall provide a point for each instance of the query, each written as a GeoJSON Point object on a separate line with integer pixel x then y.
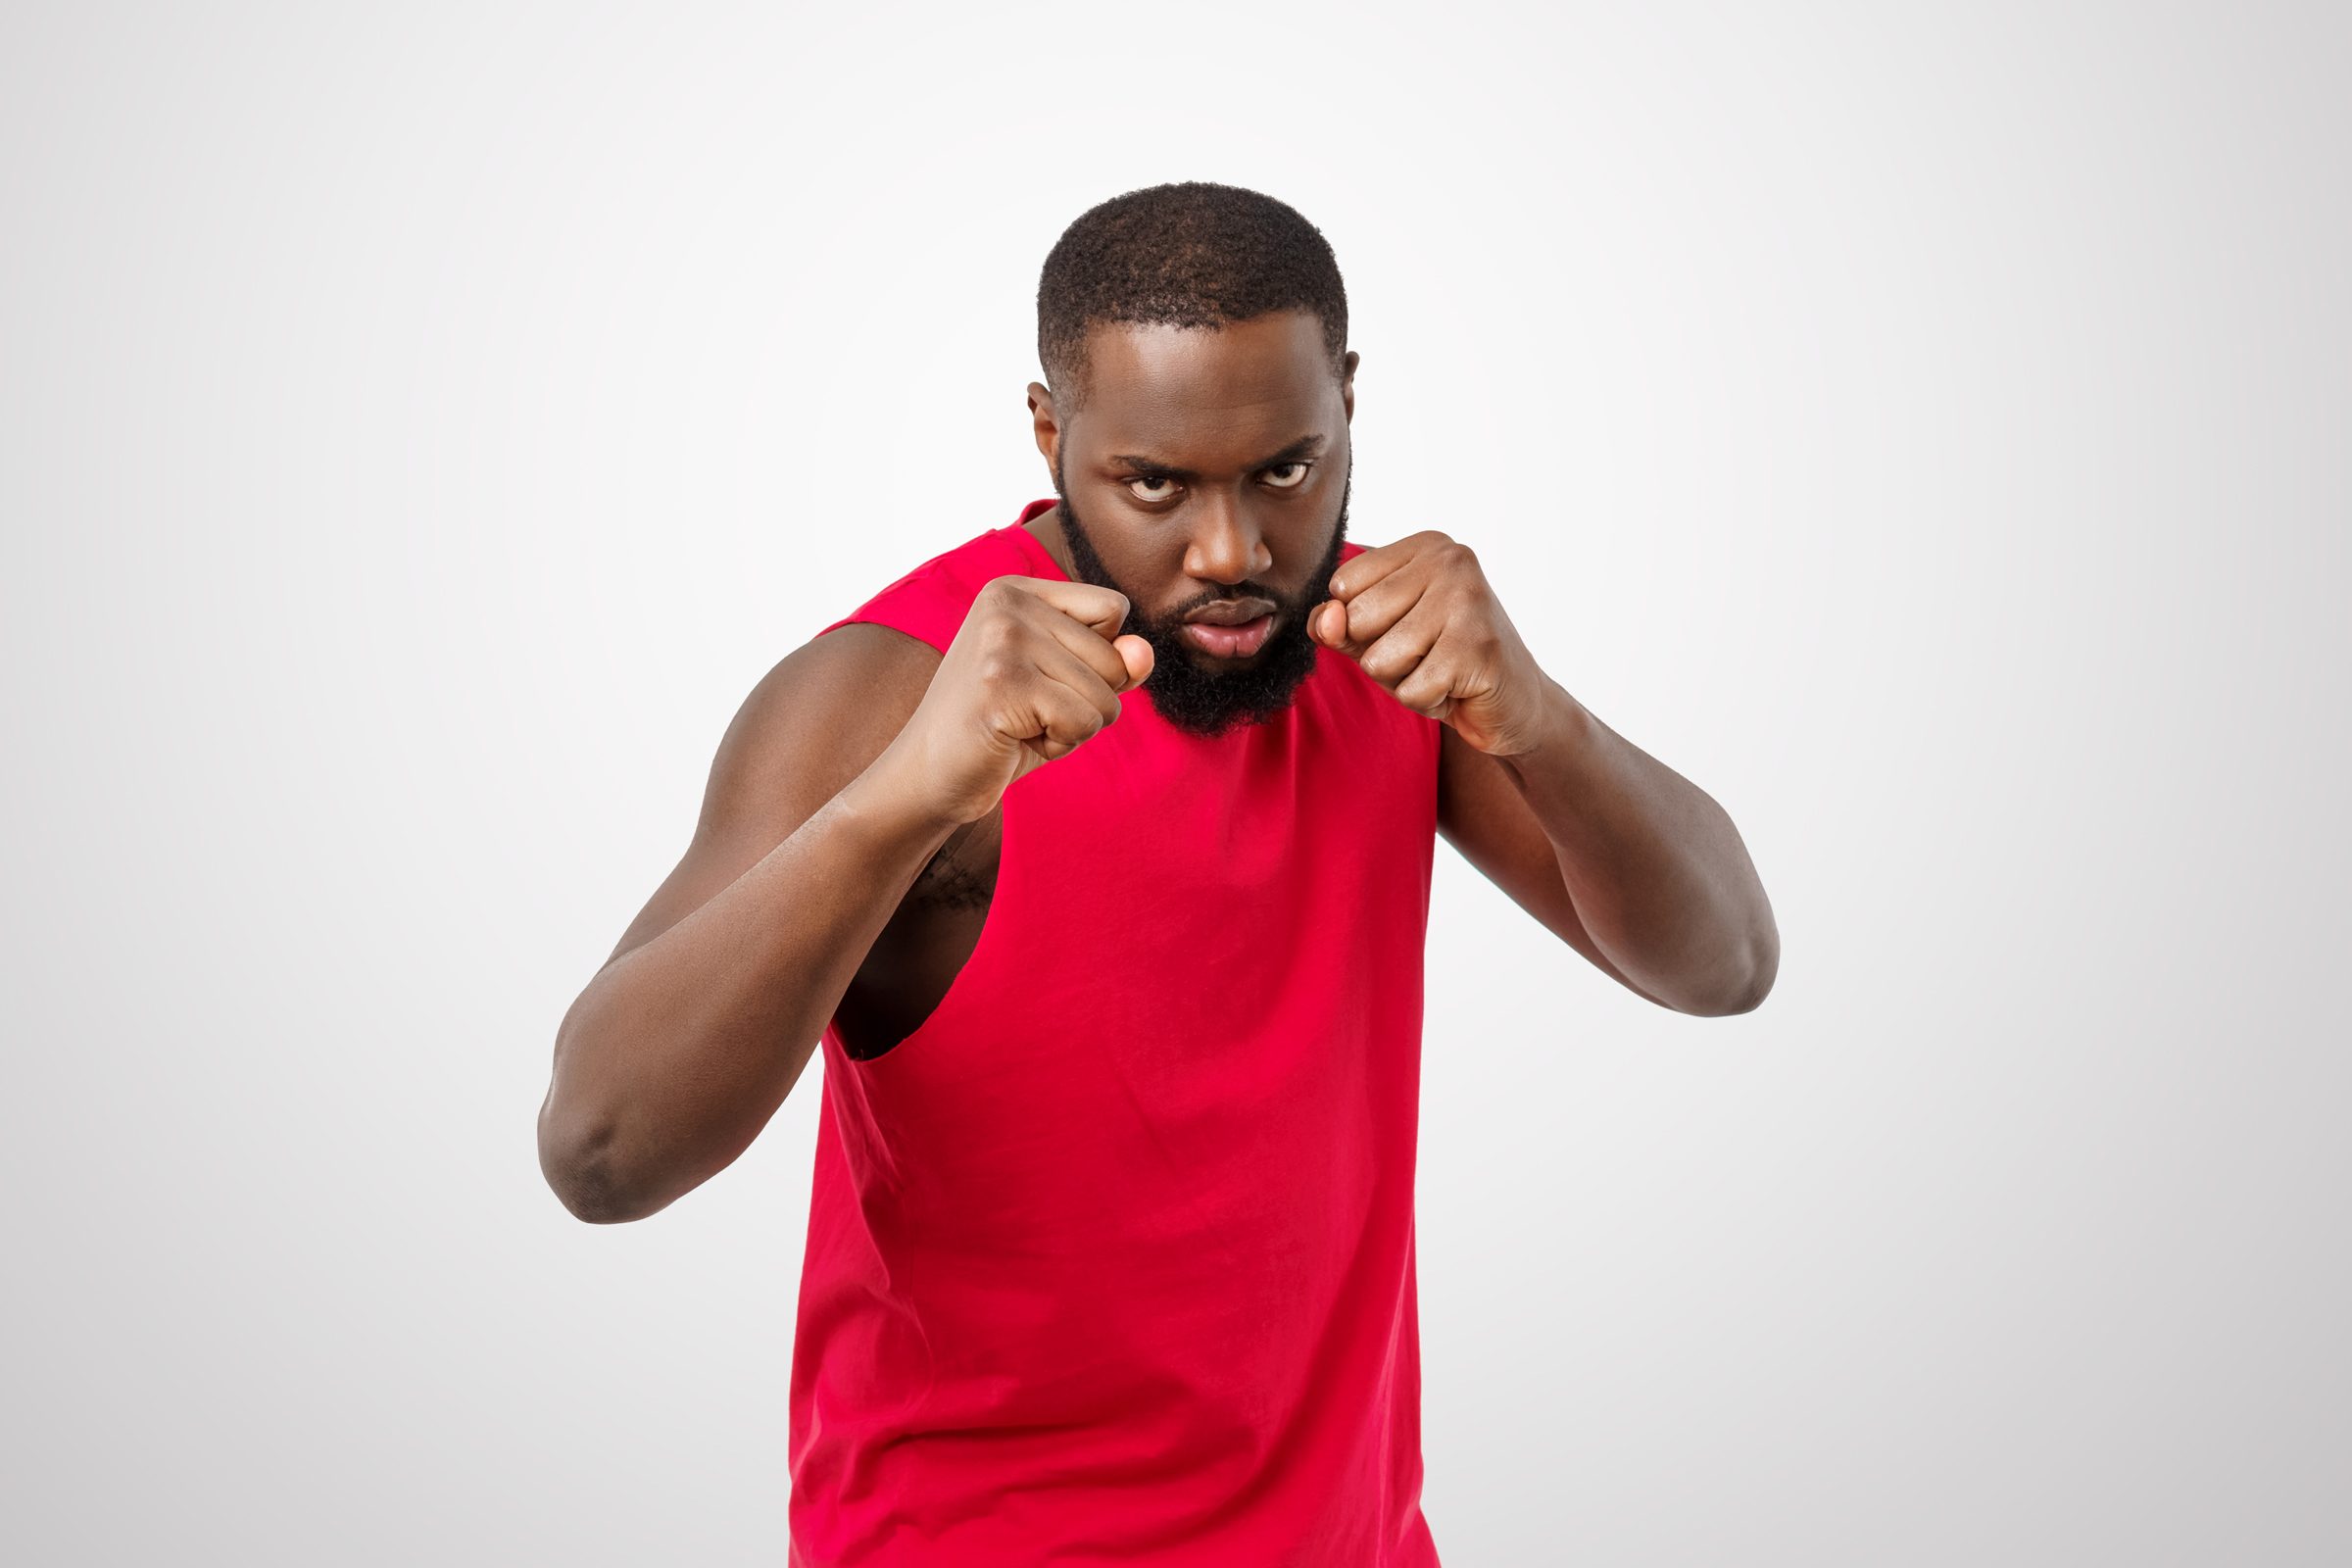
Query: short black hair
{"type": "Point", "coordinates": [1193, 254]}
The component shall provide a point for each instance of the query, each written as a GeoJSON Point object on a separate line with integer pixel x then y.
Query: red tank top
{"type": "Point", "coordinates": [1111, 1260]}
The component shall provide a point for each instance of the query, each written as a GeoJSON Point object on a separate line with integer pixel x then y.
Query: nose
{"type": "Point", "coordinates": [1226, 546]}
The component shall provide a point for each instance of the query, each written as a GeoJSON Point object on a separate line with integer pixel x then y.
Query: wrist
{"type": "Point", "coordinates": [892, 794]}
{"type": "Point", "coordinates": [1564, 729]}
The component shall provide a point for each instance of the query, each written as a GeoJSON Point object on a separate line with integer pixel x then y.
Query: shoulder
{"type": "Point", "coordinates": [816, 720]}
{"type": "Point", "coordinates": [930, 602]}
{"type": "Point", "coordinates": [833, 704]}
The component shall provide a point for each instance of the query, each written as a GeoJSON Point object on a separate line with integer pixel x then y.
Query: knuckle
{"type": "Point", "coordinates": [1003, 639]}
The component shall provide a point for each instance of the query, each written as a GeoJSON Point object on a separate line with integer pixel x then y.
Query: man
{"type": "Point", "coordinates": [1095, 854]}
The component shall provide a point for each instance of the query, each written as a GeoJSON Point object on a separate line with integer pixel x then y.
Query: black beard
{"type": "Point", "coordinates": [1210, 701]}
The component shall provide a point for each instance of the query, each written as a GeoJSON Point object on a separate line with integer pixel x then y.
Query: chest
{"type": "Point", "coordinates": [1150, 853]}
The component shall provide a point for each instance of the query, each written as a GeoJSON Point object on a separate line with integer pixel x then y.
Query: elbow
{"type": "Point", "coordinates": [594, 1198]}
{"type": "Point", "coordinates": [1757, 976]}
{"type": "Point", "coordinates": [587, 1162]}
{"type": "Point", "coordinates": [1762, 972]}
{"type": "Point", "coordinates": [586, 1177]}
{"type": "Point", "coordinates": [1748, 1000]}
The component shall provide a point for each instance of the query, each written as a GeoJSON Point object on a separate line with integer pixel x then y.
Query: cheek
{"type": "Point", "coordinates": [1152, 569]}
{"type": "Point", "coordinates": [1150, 577]}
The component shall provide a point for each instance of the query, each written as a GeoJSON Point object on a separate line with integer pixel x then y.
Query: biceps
{"type": "Point", "coordinates": [810, 727]}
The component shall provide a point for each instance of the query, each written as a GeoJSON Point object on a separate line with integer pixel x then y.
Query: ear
{"type": "Point", "coordinates": [1347, 385]}
{"type": "Point", "coordinates": [1046, 423]}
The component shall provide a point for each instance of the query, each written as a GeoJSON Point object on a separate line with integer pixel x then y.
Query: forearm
{"type": "Point", "coordinates": [1654, 866]}
{"type": "Point", "coordinates": [678, 1053]}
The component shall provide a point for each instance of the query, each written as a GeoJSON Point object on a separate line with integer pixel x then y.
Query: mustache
{"type": "Point", "coordinates": [1283, 604]}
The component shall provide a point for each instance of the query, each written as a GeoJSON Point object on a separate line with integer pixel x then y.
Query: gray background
{"type": "Point", "coordinates": [1927, 431]}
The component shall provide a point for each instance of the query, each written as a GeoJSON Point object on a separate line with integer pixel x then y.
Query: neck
{"type": "Point", "coordinates": [1046, 528]}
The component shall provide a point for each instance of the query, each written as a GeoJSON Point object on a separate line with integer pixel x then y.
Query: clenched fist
{"type": "Point", "coordinates": [1036, 671]}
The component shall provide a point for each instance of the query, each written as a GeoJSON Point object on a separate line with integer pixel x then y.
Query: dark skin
{"type": "Point", "coordinates": [823, 884]}
{"type": "Point", "coordinates": [1610, 849]}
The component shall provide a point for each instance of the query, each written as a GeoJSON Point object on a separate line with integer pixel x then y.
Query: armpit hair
{"type": "Point", "coordinates": [948, 883]}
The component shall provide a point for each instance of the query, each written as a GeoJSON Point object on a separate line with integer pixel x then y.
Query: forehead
{"type": "Point", "coordinates": [1168, 388]}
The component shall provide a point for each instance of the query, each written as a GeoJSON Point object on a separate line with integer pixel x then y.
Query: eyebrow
{"type": "Point", "coordinates": [1306, 446]}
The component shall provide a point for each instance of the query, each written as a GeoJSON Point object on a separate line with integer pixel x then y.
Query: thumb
{"type": "Point", "coordinates": [1139, 657]}
{"type": "Point", "coordinates": [1328, 623]}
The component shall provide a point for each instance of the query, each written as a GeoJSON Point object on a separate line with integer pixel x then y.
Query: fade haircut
{"type": "Point", "coordinates": [1193, 254]}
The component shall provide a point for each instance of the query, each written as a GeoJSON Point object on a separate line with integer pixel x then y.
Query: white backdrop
{"type": "Point", "coordinates": [1927, 432]}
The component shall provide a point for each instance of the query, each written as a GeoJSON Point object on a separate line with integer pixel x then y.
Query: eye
{"type": "Point", "coordinates": [1298, 477]}
{"type": "Point", "coordinates": [1150, 479]}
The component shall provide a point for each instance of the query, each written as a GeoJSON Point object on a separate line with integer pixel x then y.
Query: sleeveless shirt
{"type": "Point", "coordinates": [1111, 1260]}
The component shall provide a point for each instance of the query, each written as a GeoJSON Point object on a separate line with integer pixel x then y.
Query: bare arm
{"type": "Point", "coordinates": [681, 1048]}
{"type": "Point", "coordinates": [1622, 858]}
{"type": "Point", "coordinates": [851, 764]}
{"type": "Point", "coordinates": [1483, 812]}
{"type": "Point", "coordinates": [1659, 881]}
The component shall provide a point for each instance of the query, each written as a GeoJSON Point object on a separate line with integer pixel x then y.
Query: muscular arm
{"type": "Point", "coordinates": [683, 1045]}
{"type": "Point", "coordinates": [1618, 856]}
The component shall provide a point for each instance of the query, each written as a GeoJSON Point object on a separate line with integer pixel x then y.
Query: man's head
{"type": "Point", "coordinates": [1197, 428]}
